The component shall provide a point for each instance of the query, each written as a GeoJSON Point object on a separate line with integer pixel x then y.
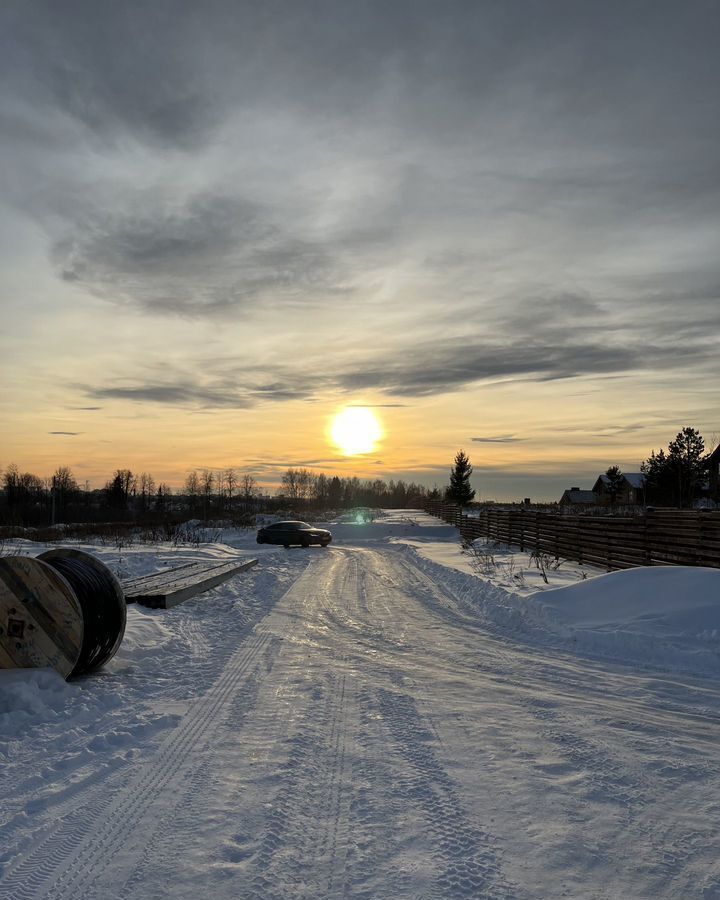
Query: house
{"type": "Point", "coordinates": [575, 497]}
{"type": "Point", "coordinates": [713, 464]}
{"type": "Point", "coordinates": [631, 491]}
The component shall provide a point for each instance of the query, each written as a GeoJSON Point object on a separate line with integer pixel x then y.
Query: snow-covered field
{"type": "Point", "coordinates": [376, 720]}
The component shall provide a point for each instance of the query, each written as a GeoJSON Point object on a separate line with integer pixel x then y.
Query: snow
{"type": "Point", "coordinates": [381, 719]}
{"type": "Point", "coordinates": [665, 617]}
{"type": "Point", "coordinates": [661, 599]}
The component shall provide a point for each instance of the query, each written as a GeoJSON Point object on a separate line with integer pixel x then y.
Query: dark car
{"type": "Point", "coordinates": [287, 533]}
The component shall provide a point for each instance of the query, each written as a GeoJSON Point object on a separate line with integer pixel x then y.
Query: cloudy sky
{"type": "Point", "coordinates": [495, 222]}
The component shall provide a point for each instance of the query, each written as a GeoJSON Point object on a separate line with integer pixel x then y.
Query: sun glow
{"type": "Point", "coordinates": [356, 430]}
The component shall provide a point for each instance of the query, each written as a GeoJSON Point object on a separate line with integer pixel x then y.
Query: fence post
{"type": "Point", "coordinates": [556, 524]}
{"type": "Point", "coordinates": [578, 525]}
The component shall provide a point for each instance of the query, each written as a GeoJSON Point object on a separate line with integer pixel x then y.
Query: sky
{"type": "Point", "coordinates": [494, 223]}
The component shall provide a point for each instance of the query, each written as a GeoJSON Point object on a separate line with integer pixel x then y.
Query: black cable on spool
{"type": "Point", "coordinates": [103, 610]}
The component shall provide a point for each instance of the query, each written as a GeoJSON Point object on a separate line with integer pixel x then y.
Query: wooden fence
{"type": "Point", "coordinates": [659, 538]}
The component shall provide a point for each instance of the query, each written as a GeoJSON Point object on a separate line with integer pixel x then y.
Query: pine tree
{"type": "Point", "coordinates": [614, 482]}
{"type": "Point", "coordinates": [686, 453]}
{"type": "Point", "coordinates": [673, 477]}
{"type": "Point", "coordinates": [459, 490]}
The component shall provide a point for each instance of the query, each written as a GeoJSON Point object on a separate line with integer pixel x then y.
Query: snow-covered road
{"type": "Point", "coordinates": [364, 734]}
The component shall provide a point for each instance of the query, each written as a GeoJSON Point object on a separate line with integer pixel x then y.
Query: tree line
{"type": "Point", "coordinates": [677, 477]}
{"type": "Point", "coordinates": [27, 499]}
{"type": "Point", "coordinates": [302, 487]}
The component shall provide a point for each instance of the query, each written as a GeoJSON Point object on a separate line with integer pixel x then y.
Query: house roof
{"type": "Point", "coordinates": [580, 496]}
{"type": "Point", "coordinates": [634, 479]}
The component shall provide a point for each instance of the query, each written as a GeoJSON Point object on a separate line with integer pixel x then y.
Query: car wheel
{"type": "Point", "coordinates": [324, 543]}
{"type": "Point", "coordinates": [286, 546]}
{"type": "Point", "coordinates": [305, 544]}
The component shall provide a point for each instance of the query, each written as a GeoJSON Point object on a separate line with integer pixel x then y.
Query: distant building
{"type": "Point", "coordinates": [713, 463]}
{"type": "Point", "coordinates": [631, 491]}
{"type": "Point", "coordinates": [575, 497]}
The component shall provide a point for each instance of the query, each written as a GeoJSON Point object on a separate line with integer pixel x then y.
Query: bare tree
{"type": "Point", "coordinates": [64, 490]}
{"type": "Point", "coordinates": [192, 490]}
{"type": "Point", "coordinates": [146, 485]}
{"type": "Point", "coordinates": [231, 486]}
{"type": "Point", "coordinates": [306, 484]}
{"type": "Point", "coordinates": [220, 490]}
{"type": "Point", "coordinates": [207, 483]}
{"type": "Point", "coordinates": [322, 490]}
{"type": "Point", "coordinates": [298, 485]}
{"type": "Point", "coordinates": [248, 488]}
{"type": "Point", "coordinates": [290, 487]}
{"type": "Point", "coordinates": [120, 489]}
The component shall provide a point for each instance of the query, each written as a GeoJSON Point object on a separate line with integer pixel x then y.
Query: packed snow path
{"type": "Point", "coordinates": [368, 738]}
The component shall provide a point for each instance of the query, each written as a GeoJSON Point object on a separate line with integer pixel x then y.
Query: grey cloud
{"type": "Point", "coordinates": [422, 369]}
{"type": "Point", "coordinates": [210, 255]}
{"type": "Point", "coordinates": [447, 366]}
{"type": "Point", "coordinates": [183, 393]}
{"type": "Point", "coordinates": [540, 179]}
{"type": "Point", "coordinates": [117, 70]}
{"type": "Point", "coordinates": [617, 430]}
{"type": "Point", "coordinates": [67, 433]}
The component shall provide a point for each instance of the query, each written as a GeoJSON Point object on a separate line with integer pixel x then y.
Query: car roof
{"type": "Point", "coordinates": [291, 522]}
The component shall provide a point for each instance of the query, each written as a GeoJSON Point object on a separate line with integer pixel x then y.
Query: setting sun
{"type": "Point", "coordinates": [356, 430]}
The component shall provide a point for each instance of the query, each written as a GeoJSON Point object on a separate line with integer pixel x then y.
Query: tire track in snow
{"type": "Point", "coordinates": [470, 866]}
{"type": "Point", "coordinates": [67, 863]}
{"type": "Point", "coordinates": [304, 839]}
{"type": "Point", "coordinates": [185, 815]}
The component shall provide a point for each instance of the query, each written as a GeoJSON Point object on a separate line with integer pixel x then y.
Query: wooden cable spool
{"type": "Point", "coordinates": [41, 621]}
{"type": "Point", "coordinates": [64, 609]}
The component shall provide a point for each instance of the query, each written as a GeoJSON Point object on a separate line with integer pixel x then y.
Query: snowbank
{"type": "Point", "coordinates": [679, 600]}
{"type": "Point", "coordinates": [660, 616]}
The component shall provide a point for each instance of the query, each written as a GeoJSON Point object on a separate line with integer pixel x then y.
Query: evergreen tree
{"type": "Point", "coordinates": [687, 454]}
{"type": "Point", "coordinates": [614, 482]}
{"type": "Point", "coordinates": [659, 482]}
{"type": "Point", "coordinates": [673, 477]}
{"type": "Point", "coordinates": [459, 490]}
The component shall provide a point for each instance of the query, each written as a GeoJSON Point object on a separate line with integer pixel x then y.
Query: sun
{"type": "Point", "coordinates": [356, 430]}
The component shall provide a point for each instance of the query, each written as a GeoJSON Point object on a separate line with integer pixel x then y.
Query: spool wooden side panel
{"type": "Point", "coordinates": [41, 623]}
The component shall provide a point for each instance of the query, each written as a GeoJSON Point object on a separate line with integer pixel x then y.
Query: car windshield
{"type": "Point", "coordinates": [291, 526]}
